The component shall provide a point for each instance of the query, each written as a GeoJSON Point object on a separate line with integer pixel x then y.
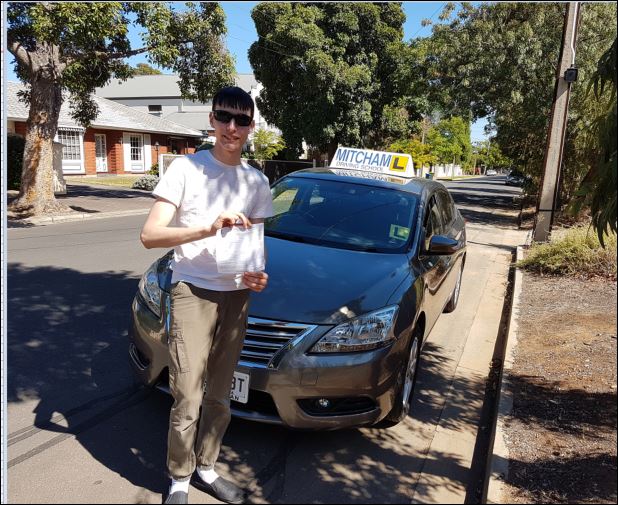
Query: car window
{"type": "Point", "coordinates": [446, 207]}
{"type": "Point", "coordinates": [342, 214]}
{"type": "Point", "coordinates": [433, 221]}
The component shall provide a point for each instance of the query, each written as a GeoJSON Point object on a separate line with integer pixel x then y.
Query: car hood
{"type": "Point", "coordinates": [323, 285]}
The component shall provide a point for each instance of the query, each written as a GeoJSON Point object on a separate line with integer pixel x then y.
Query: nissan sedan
{"type": "Point", "coordinates": [360, 268]}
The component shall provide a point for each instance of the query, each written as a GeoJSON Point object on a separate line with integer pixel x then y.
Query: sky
{"type": "Point", "coordinates": [241, 34]}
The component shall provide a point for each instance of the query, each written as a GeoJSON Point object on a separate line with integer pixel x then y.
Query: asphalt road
{"type": "Point", "coordinates": [81, 432]}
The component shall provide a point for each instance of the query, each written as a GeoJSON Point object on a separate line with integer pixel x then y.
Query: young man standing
{"type": "Point", "coordinates": [205, 192]}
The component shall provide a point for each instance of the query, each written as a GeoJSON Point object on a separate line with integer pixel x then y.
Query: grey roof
{"type": "Point", "coordinates": [112, 115]}
{"type": "Point", "coordinates": [162, 86]}
{"type": "Point", "coordinates": [195, 120]}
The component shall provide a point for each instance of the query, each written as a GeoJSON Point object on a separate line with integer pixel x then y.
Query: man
{"type": "Point", "coordinates": [206, 192]}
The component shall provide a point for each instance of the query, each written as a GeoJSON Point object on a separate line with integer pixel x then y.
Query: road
{"type": "Point", "coordinates": [81, 432]}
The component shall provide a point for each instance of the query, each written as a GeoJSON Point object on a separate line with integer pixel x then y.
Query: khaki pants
{"type": "Point", "coordinates": [207, 331]}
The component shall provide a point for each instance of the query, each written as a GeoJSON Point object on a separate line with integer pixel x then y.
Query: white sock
{"type": "Point", "coordinates": [208, 476]}
{"type": "Point", "coordinates": [179, 485]}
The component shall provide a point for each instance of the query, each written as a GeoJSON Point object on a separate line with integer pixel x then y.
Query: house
{"type": "Point", "coordinates": [159, 95]}
{"type": "Point", "coordinates": [121, 140]}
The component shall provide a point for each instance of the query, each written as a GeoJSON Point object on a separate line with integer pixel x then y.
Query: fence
{"type": "Point", "coordinates": [273, 169]}
{"type": "Point", "coordinates": [165, 160]}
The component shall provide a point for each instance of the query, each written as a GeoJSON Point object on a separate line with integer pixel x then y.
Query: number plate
{"type": "Point", "coordinates": [240, 387]}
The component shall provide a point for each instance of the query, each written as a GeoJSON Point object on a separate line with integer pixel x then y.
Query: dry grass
{"type": "Point", "coordinates": [124, 181]}
{"type": "Point", "coordinates": [573, 252]}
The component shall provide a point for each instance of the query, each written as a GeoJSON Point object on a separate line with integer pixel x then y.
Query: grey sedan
{"type": "Point", "coordinates": [360, 268]}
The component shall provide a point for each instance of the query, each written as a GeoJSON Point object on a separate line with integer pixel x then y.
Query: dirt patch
{"type": "Point", "coordinates": [561, 434]}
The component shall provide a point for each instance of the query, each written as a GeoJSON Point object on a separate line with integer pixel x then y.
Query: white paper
{"type": "Point", "coordinates": [239, 250]}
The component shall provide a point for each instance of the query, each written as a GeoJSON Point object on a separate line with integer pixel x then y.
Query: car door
{"type": "Point", "coordinates": [434, 265]}
{"type": "Point", "coordinates": [448, 214]}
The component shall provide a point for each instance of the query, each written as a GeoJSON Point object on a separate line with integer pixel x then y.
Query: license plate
{"type": "Point", "coordinates": [240, 387]}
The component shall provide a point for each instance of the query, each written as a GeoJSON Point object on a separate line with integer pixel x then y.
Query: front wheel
{"type": "Point", "coordinates": [452, 303]}
{"type": "Point", "coordinates": [406, 385]}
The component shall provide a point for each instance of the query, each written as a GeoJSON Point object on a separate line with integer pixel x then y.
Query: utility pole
{"type": "Point", "coordinates": [566, 74]}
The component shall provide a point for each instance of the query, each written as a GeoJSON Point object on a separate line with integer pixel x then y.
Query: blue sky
{"type": "Point", "coordinates": [241, 34]}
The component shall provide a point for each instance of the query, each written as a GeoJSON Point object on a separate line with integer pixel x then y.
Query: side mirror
{"type": "Point", "coordinates": [442, 245]}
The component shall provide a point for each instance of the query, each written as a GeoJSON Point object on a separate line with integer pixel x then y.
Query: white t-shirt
{"type": "Point", "coordinates": [201, 187]}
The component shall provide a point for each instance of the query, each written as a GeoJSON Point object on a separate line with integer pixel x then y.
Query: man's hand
{"type": "Point", "coordinates": [255, 281]}
{"type": "Point", "coordinates": [228, 218]}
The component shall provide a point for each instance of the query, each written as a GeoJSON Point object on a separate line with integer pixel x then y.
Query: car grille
{"type": "Point", "coordinates": [266, 340]}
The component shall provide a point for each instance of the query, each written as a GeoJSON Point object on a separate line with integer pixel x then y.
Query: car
{"type": "Point", "coordinates": [515, 178]}
{"type": "Point", "coordinates": [491, 171]}
{"type": "Point", "coordinates": [360, 265]}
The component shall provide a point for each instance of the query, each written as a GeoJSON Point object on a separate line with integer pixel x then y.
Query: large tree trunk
{"type": "Point", "coordinates": [36, 194]}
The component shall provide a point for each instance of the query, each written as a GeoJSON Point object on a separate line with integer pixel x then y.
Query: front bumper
{"type": "Point", "coordinates": [284, 389]}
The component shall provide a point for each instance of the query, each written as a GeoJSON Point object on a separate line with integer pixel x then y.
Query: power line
{"type": "Point", "coordinates": [430, 18]}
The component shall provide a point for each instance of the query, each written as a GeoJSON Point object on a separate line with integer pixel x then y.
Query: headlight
{"type": "Point", "coordinates": [150, 291]}
{"type": "Point", "coordinates": [365, 332]}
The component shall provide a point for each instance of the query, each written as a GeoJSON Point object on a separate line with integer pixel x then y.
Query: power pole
{"type": "Point", "coordinates": [566, 74]}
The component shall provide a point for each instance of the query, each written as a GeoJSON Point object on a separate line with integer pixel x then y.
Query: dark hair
{"type": "Point", "coordinates": [235, 97]}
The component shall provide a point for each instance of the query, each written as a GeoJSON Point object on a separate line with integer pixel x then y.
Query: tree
{"type": "Point", "coordinates": [421, 153]}
{"type": "Point", "coordinates": [329, 71]}
{"type": "Point", "coordinates": [65, 48]}
{"type": "Point", "coordinates": [267, 144]}
{"type": "Point", "coordinates": [598, 188]}
{"type": "Point", "coordinates": [145, 69]}
{"type": "Point", "coordinates": [498, 61]}
{"type": "Point", "coordinates": [450, 140]}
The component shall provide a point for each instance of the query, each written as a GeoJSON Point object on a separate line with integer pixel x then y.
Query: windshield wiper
{"type": "Point", "coordinates": [286, 236]}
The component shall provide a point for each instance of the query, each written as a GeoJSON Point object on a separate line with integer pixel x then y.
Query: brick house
{"type": "Point", "coordinates": [121, 140]}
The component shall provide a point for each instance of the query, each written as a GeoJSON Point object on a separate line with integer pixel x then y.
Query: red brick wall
{"type": "Point", "coordinates": [20, 128]}
{"type": "Point", "coordinates": [115, 156]}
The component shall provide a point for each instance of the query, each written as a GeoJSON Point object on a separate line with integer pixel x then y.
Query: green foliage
{"type": "Point", "coordinates": [576, 252]}
{"type": "Point", "coordinates": [498, 60]}
{"type": "Point", "coordinates": [145, 69]}
{"type": "Point", "coordinates": [147, 182]}
{"type": "Point", "coordinates": [154, 169]}
{"type": "Point", "coordinates": [81, 46]}
{"type": "Point", "coordinates": [329, 71]}
{"type": "Point", "coordinates": [598, 189]}
{"type": "Point", "coordinates": [14, 160]}
{"type": "Point", "coordinates": [204, 146]}
{"type": "Point", "coordinates": [422, 154]}
{"type": "Point", "coordinates": [267, 144]}
{"type": "Point", "coordinates": [450, 140]}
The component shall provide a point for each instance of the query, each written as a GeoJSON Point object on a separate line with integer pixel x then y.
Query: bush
{"type": "Point", "coordinates": [574, 252]}
{"type": "Point", "coordinates": [154, 170]}
{"type": "Point", "coordinates": [147, 182]}
{"type": "Point", "coordinates": [14, 160]}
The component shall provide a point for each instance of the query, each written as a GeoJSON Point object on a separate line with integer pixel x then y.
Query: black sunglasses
{"type": "Point", "coordinates": [225, 117]}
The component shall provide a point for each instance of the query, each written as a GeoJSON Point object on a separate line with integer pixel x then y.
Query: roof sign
{"type": "Point", "coordinates": [373, 161]}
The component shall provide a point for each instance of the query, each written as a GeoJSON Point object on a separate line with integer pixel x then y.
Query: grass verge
{"type": "Point", "coordinates": [574, 252]}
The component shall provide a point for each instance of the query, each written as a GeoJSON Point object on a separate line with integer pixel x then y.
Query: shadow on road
{"type": "Point", "coordinates": [67, 351]}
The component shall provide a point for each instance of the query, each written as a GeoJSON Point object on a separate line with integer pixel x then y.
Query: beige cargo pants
{"type": "Point", "coordinates": [207, 329]}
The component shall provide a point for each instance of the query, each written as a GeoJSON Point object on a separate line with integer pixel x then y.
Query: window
{"type": "Point", "coordinates": [446, 207]}
{"type": "Point", "coordinates": [342, 215]}
{"type": "Point", "coordinates": [136, 148]}
{"type": "Point", "coordinates": [157, 109]}
{"type": "Point", "coordinates": [433, 221]}
{"type": "Point", "coordinates": [71, 144]}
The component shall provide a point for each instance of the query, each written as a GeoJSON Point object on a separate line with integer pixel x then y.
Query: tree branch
{"type": "Point", "coordinates": [21, 53]}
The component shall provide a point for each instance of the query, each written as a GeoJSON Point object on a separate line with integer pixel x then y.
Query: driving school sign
{"type": "Point", "coordinates": [373, 161]}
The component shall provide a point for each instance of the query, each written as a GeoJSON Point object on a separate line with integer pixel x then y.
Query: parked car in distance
{"type": "Point", "coordinates": [491, 171]}
{"type": "Point", "coordinates": [515, 178]}
{"type": "Point", "coordinates": [360, 268]}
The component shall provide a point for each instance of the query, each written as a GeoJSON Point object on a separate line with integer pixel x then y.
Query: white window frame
{"type": "Point", "coordinates": [73, 166]}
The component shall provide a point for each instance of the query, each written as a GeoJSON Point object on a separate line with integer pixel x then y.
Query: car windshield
{"type": "Point", "coordinates": [342, 215]}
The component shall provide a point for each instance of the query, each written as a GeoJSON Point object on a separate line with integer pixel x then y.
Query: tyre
{"type": "Point", "coordinates": [405, 387]}
{"type": "Point", "coordinates": [452, 303]}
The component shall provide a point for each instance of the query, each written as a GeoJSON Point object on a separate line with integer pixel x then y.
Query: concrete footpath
{"type": "Point", "coordinates": [90, 202]}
